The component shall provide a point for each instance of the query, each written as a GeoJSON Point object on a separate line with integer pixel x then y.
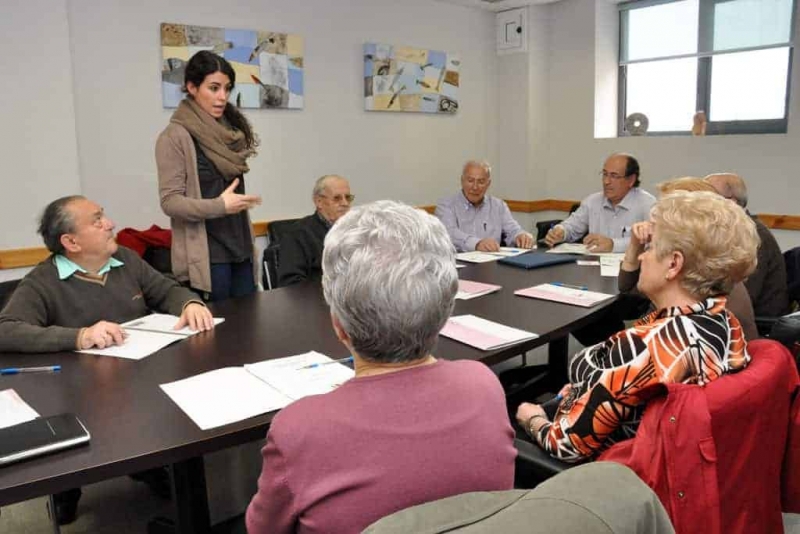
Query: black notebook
{"type": "Point", "coordinates": [41, 436]}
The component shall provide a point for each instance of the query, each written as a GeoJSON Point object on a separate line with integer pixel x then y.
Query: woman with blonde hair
{"type": "Point", "coordinates": [700, 246]}
{"type": "Point", "coordinates": [739, 302]}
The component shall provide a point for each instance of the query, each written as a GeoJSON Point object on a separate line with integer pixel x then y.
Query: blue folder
{"type": "Point", "coordinates": [536, 259]}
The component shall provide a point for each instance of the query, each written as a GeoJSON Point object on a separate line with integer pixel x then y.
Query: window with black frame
{"type": "Point", "coordinates": [720, 66]}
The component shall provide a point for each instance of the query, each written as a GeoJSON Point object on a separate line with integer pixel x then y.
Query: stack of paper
{"type": "Point", "coordinates": [234, 394]}
{"type": "Point", "coordinates": [566, 295]}
{"type": "Point", "coordinates": [14, 410]}
{"type": "Point", "coordinates": [477, 256]}
{"type": "Point", "coordinates": [147, 335]}
{"type": "Point", "coordinates": [468, 289]}
{"type": "Point", "coordinates": [569, 248]}
{"type": "Point", "coordinates": [483, 334]}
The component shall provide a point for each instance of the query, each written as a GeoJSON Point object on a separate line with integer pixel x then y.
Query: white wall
{"type": "Point", "coordinates": [104, 56]}
{"type": "Point", "coordinates": [38, 146]}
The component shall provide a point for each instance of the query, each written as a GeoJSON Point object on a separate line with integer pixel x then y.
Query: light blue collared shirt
{"type": "Point", "coordinates": [598, 216]}
{"type": "Point", "coordinates": [66, 267]}
{"type": "Point", "coordinates": [468, 224]}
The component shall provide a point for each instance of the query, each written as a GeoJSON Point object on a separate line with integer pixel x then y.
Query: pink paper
{"type": "Point", "coordinates": [471, 337]}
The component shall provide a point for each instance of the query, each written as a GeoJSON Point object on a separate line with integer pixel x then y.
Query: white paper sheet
{"type": "Point", "coordinates": [609, 266]}
{"type": "Point", "coordinates": [292, 376]}
{"type": "Point", "coordinates": [477, 256]}
{"type": "Point", "coordinates": [14, 410]}
{"type": "Point", "coordinates": [569, 248]}
{"type": "Point", "coordinates": [224, 396]}
{"type": "Point", "coordinates": [139, 344]}
{"type": "Point", "coordinates": [565, 295]}
{"type": "Point", "coordinates": [163, 322]}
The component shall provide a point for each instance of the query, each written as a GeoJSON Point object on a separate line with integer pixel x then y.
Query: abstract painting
{"type": "Point", "coordinates": [268, 65]}
{"type": "Point", "coordinates": [401, 78]}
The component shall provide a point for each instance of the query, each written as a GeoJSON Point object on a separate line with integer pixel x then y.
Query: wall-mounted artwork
{"type": "Point", "coordinates": [268, 65]}
{"type": "Point", "coordinates": [401, 78]}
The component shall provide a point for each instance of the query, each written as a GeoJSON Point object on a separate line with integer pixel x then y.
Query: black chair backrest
{"type": "Point", "coordinates": [271, 256]}
{"type": "Point", "coordinates": [792, 259]}
{"type": "Point", "coordinates": [6, 290]}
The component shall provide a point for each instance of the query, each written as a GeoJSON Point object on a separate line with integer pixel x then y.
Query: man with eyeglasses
{"type": "Point", "coordinates": [477, 221]}
{"type": "Point", "coordinates": [606, 218]}
{"type": "Point", "coordinates": [301, 247]}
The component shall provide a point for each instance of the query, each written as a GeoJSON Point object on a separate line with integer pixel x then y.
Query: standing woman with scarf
{"type": "Point", "coordinates": [202, 158]}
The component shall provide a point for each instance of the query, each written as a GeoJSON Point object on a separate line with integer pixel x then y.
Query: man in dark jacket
{"type": "Point", "coordinates": [300, 253]}
{"type": "Point", "coordinates": [767, 285]}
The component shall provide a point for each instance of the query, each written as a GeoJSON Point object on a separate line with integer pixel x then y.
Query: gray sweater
{"type": "Point", "coordinates": [46, 314]}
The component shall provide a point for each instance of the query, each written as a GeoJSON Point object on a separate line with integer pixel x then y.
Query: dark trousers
{"type": "Point", "coordinates": [229, 280]}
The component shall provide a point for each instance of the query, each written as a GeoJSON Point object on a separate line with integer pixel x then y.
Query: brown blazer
{"type": "Point", "coordinates": [181, 200]}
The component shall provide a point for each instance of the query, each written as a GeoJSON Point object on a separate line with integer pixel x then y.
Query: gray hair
{"type": "Point", "coordinates": [57, 220]}
{"type": "Point", "coordinates": [389, 277]}
{"type": "Point", "coordinates": [729, 185]}
{"type": "Point", "coordinates": [322, 184]}
{"type": "Point", "coordinates": [483, 164]}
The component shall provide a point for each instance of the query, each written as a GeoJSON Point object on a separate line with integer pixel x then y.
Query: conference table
{"type": "Point", "coordinates": [135, 426]}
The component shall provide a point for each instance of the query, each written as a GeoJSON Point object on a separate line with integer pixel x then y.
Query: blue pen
{"type": "Point", "coordinates": [561, 284]}
{"type": "Point", "coordinates": [20, 370]}
{"type": "Point", "coordinates": [342, 360]}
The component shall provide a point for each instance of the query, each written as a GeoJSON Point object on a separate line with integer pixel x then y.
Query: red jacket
{"type": "Point", "coordinates": [140, 240]}
{"type": "Point", "coordinates": [714, 455]}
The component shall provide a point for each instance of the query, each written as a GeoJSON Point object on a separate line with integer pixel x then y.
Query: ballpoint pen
{"type": "Point", "coordinates": [561, 284]}
{"type": "Point", "coordinates": [20, 370]}
{"type": "Point", "coordinates": [320, 364]}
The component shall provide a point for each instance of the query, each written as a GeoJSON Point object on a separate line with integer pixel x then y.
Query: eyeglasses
{"type": "Point", "coordinates": [480, 182]}
{"type": "Point", "coordinates": [340, 198]}
{"type": "Point", "coordinates": [614, 176]}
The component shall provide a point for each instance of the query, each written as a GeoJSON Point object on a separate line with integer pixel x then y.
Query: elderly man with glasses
{"type": "Point", "coordinates": [477, 221]}
{"type": "Point", "coordinates": [606, 218]}
{"type": "Point", "coordinates": [301, 247]}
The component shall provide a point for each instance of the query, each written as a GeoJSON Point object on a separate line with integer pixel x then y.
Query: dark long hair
{"type": "Point", "coordinates": [201, 65]}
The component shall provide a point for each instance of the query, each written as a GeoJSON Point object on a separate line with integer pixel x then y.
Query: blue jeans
{"type": "Point", "coordinates": [229, 280]}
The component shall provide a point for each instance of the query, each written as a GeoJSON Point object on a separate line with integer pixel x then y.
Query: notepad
{"type": "Point", "coordinates": [476, 256]}
{"type": "Point", "coordinates": [468, 289]}
{"type": "Point", "coordinates": [233, 394]}
{"type": "Point", "coordinates": [147, 335]}
{"type": "Point", "coordinates": [483, 334]}
{"type": "Point", "coordinates": [566, 295]}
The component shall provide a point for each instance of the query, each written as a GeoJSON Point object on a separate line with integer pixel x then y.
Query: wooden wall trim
{"type": "Point", "coordinates": [27, 257]}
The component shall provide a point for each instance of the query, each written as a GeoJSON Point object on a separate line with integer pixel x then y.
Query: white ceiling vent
{"type": "Point", "coordinates": [498, 5]}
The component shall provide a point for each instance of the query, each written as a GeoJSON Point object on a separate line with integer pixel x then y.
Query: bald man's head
{"type": "Point", "coordinates": [730, 186]}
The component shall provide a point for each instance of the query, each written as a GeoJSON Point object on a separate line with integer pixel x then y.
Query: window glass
{"type": "Point", "coordinates": [749, 85]}
{"type": "Point", "coordinates": [749, 23]}
{"type": "Point", "coordinates": [662, 30]}
{"type": "Point", "coordinates": [665, 91]}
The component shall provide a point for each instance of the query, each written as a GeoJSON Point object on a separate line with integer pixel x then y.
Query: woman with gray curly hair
{"type": "Point", "coordinates": [409, 428]}
{"type": "Point", "coordinates": [700, 246]}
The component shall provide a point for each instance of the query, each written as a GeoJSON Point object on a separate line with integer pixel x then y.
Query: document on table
{"type": "Point", "coordinates": [147, 335]}
{"type": "Point", "coordinates": [162, 322]}
{"type": "Point", "coordinates": [233, 394]}
{"type": "Point", "coordinates": [566, 295]}
{"type": "Point", "coordinates": [609, 266]}
{"type": "Point", "coordinates": [14, 410]}
{"type": "Point", "coordinates": [569, 248]}
{"type": "Point", "coordinates": [483, 334]}
{"type": "Point", "coordinates": [468, 289]}
{"type": "Point", "coordinates": [477, 256]}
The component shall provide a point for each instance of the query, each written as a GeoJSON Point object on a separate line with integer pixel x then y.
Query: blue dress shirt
{"type": "Point", "coordinates": [468, 224]}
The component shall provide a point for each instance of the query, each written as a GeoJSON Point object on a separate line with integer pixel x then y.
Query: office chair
{"type": "Point", "coordinates": [271, 256]}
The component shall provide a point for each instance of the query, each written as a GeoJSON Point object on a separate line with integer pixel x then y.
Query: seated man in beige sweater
{"type": "Point", "coordinates": [78, 296]}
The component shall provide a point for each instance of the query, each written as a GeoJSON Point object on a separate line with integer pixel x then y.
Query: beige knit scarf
{"type": "Point", "coordinates": [224, 146]}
